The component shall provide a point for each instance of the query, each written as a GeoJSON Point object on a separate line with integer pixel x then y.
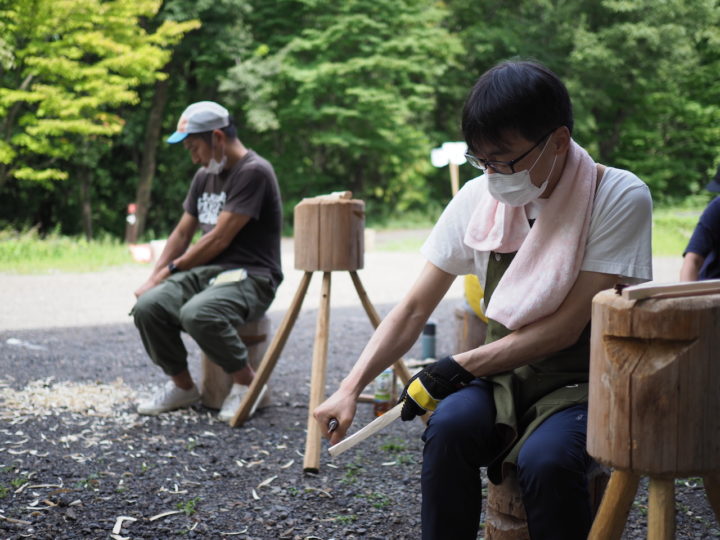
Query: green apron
{"type": "Point", "coordinates": [526, 396]}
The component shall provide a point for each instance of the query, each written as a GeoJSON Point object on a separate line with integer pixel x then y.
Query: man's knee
{"type": "Point", "coordinates": [146, 309]}
{"type": "Point", "coordinates": [457, 426]}
{"type": "Point", "coordinates": [551, 466]}
{"type": "Point", "coordinates": [197, 318]}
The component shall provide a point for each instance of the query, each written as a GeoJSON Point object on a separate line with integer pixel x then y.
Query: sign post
{"type": "Point", "coordinates": [453, 154]}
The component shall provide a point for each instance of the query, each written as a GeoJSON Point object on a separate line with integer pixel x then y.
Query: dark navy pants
{"type": "Point", "coordinates": [552, 467]}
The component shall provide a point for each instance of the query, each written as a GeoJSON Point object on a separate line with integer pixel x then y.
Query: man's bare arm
{"type": "Point", "coordinates": [690, 270]}
{"type": "Point", "coordinates": [177, 242]}
{"type": "Point", "coordinates": [393, 338]}
{"type": "Point", "coordinates": [208, 247]}
{"type": "Point", "coordinates": [214, 242]}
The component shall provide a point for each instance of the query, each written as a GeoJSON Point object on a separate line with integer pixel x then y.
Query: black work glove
{"type": "Point", "coordinates": [426, 388]}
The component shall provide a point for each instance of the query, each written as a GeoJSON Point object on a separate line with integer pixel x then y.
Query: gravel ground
{"type": "Point", "coordinates": [75, 458]}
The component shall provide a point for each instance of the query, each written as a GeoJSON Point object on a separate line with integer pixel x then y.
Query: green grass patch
{"type": "Point", "coordinates": [672, 228]}
{"type": "Point", "coordinates": [27, 253]}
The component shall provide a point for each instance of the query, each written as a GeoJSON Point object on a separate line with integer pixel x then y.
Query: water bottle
{"type": "Point", "coordinates": [427, 341]}
{"type": "Point", "coordinates": [382, 390]}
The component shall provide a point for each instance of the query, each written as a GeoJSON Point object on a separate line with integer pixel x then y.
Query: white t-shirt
{"type": "Point", "coordinates": [619, 240]}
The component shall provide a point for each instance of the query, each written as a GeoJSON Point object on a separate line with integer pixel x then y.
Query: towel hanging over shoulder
{"type": "Point", "coordinates": [549, 254]}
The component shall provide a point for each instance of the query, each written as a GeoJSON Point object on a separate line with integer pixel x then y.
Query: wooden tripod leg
{"type": "Point", "coordinates": [712, 488]}
{"type": "Point", "coordinates": [615, 506]}
{"type": "Point", "coordinates": [661, 509]}
{"type": "Point", "coordinates": [267, 364]}
{"type": "Point", "coordinates": [311, 463]}
{"type": "Point", "coordinates": [399, 367]}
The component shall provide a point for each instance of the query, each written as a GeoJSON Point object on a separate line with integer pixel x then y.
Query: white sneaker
{"type": "Point", "coordinates": [168, 398]}
{"type": "Point", "coordinates": [235, 397]}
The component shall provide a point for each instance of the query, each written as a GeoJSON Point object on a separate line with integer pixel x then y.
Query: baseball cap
{"type": "Point", "coordinates": [714, 184]}
{"type": "Point", "coordinates": [200, 117]}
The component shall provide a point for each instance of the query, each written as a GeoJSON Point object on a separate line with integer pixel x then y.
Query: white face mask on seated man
{"type": "Point", "coordinates": [214, 166]}
{"type": "Point", "coordinates": [517, 189]}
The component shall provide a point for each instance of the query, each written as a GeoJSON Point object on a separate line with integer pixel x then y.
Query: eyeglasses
{"type": "Point", "coordinates": [502, 167]}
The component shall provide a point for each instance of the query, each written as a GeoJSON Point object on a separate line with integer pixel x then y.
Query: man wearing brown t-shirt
{"type": "Point", "coordinates": [228, 277]}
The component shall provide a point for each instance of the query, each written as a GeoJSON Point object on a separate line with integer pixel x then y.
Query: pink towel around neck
{"type": "Point", "coordinates": [549, 254]}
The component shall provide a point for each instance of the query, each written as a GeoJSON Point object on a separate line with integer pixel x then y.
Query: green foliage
{"type": "Point", "coordinates": [376, 499]}
{"type": "Point", "coordinates": [68, 66]}
{"type": "Point", "coordinates": [19, 481]}
{"type": "Point", "coordinates": [347, 101]}
{"type": "Point", "coordinates": [394, 445]}
{"type": "Point", "coordinates": [337, 95]}
{"type": "Point", "coordinates": [642, 76]}
{"type": "Point", "coordinates": [189, 506]}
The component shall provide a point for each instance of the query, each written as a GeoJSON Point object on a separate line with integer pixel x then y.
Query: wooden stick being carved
{"type": "Point", "coordinates": [372, 428]}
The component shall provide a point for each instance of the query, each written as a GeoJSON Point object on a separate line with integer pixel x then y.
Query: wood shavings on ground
{"type": "Point", "coordinates": [165, 514]}
{"type": "Point", "coordinates": [236, 533]}
{"type": "Point", "coordinates": [266, 482]}
{"type": "Point", "coordinates": [117, 529]}
{"type": "Point", "coordinates": [47, 398]}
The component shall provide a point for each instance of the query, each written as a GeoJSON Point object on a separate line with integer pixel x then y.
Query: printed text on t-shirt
{"type": "Point", "coordinates": [209, 207]}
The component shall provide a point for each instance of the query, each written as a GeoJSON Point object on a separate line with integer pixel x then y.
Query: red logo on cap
{"type": "Point", "coordinates": [182, 124]}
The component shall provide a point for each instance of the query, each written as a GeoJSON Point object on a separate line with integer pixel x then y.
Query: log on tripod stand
{"type": "Point", "coordinates": [329, 233]}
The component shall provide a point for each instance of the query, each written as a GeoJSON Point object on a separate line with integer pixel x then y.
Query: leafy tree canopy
{"type": "Point", "coordinates": [66, 68]}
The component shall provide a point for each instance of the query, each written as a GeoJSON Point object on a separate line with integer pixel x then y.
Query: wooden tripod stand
{"type": "Point", "coordinates": [328, 237]}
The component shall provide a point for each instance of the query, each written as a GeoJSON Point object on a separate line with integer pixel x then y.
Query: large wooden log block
{"type": "Point", "coordinates": [216, 384]}
{"type": "Point", "coordinates": [654, 377]}
{"type": "Point", "coordinates": [329, 233]}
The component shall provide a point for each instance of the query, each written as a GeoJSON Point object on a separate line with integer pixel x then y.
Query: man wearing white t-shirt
{"type": "Point", "coordinates": [545, 229]}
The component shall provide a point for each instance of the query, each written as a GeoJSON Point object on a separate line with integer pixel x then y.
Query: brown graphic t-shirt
{"type": "Point", "coordinates": [250, 188]}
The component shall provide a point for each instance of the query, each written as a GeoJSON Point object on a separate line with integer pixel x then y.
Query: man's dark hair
{"type": "Point", "coordinates": [230, 132]}
{"type": "Point", "coordinates": [515, 96]}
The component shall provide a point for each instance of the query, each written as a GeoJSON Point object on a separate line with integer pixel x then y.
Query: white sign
{"type": "Point", "coordinates": [449, 152]}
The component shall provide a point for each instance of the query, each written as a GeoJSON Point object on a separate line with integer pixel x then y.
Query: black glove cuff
{"type": "Point", "coordinates": [451, 371]}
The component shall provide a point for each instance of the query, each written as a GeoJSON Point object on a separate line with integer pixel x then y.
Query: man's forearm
{"type": "Point", "coordinates": [203, 251]}
{"type": "Point", "coordinates": [175, 246]}
{"type": "Point", "coordinates": [392, 339]}
{"type": "Point", "coordinates": [690, 270]}
{"type": "Point", "coordinates": [549, 335]}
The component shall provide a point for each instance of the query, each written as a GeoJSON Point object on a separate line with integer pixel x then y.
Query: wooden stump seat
{"type": "Point", "coordinates": [505, 517]}
{"type": "Point", "coordinates": [215, 383]}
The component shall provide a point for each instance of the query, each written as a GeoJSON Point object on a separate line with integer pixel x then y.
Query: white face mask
{"type": "Point", "coordinates": [517, 189]}
{"type": "Point", "coordinates": [214, 166]}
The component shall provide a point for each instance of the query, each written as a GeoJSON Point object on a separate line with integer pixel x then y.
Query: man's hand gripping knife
{"type": "Point", "coordinates": [431, 385]}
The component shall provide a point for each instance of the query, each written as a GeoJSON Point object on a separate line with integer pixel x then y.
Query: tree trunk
{"type": "Point", "coordinates": [148, 162]}
{"type": "Point", "coordinates": [85, 181]}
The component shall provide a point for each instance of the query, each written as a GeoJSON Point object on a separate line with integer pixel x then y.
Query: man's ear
{"type": "Point", "coordinates": [561, 140]}
{"type": "Point", "coordinates": [219, 136]}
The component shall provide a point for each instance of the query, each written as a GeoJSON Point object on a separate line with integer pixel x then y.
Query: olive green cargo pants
{"type": "Point", "coordinates": [209, 313]}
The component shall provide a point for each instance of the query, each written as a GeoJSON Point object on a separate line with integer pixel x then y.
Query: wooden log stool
{"type": "Point", "coordinates": [505, 517]}
{"type": "Point", "coordinates": [215, 382]}
{"type": "Point", "coordinates": [654, 401]}
{"type": "Point", "coordinates": [329, 236]}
